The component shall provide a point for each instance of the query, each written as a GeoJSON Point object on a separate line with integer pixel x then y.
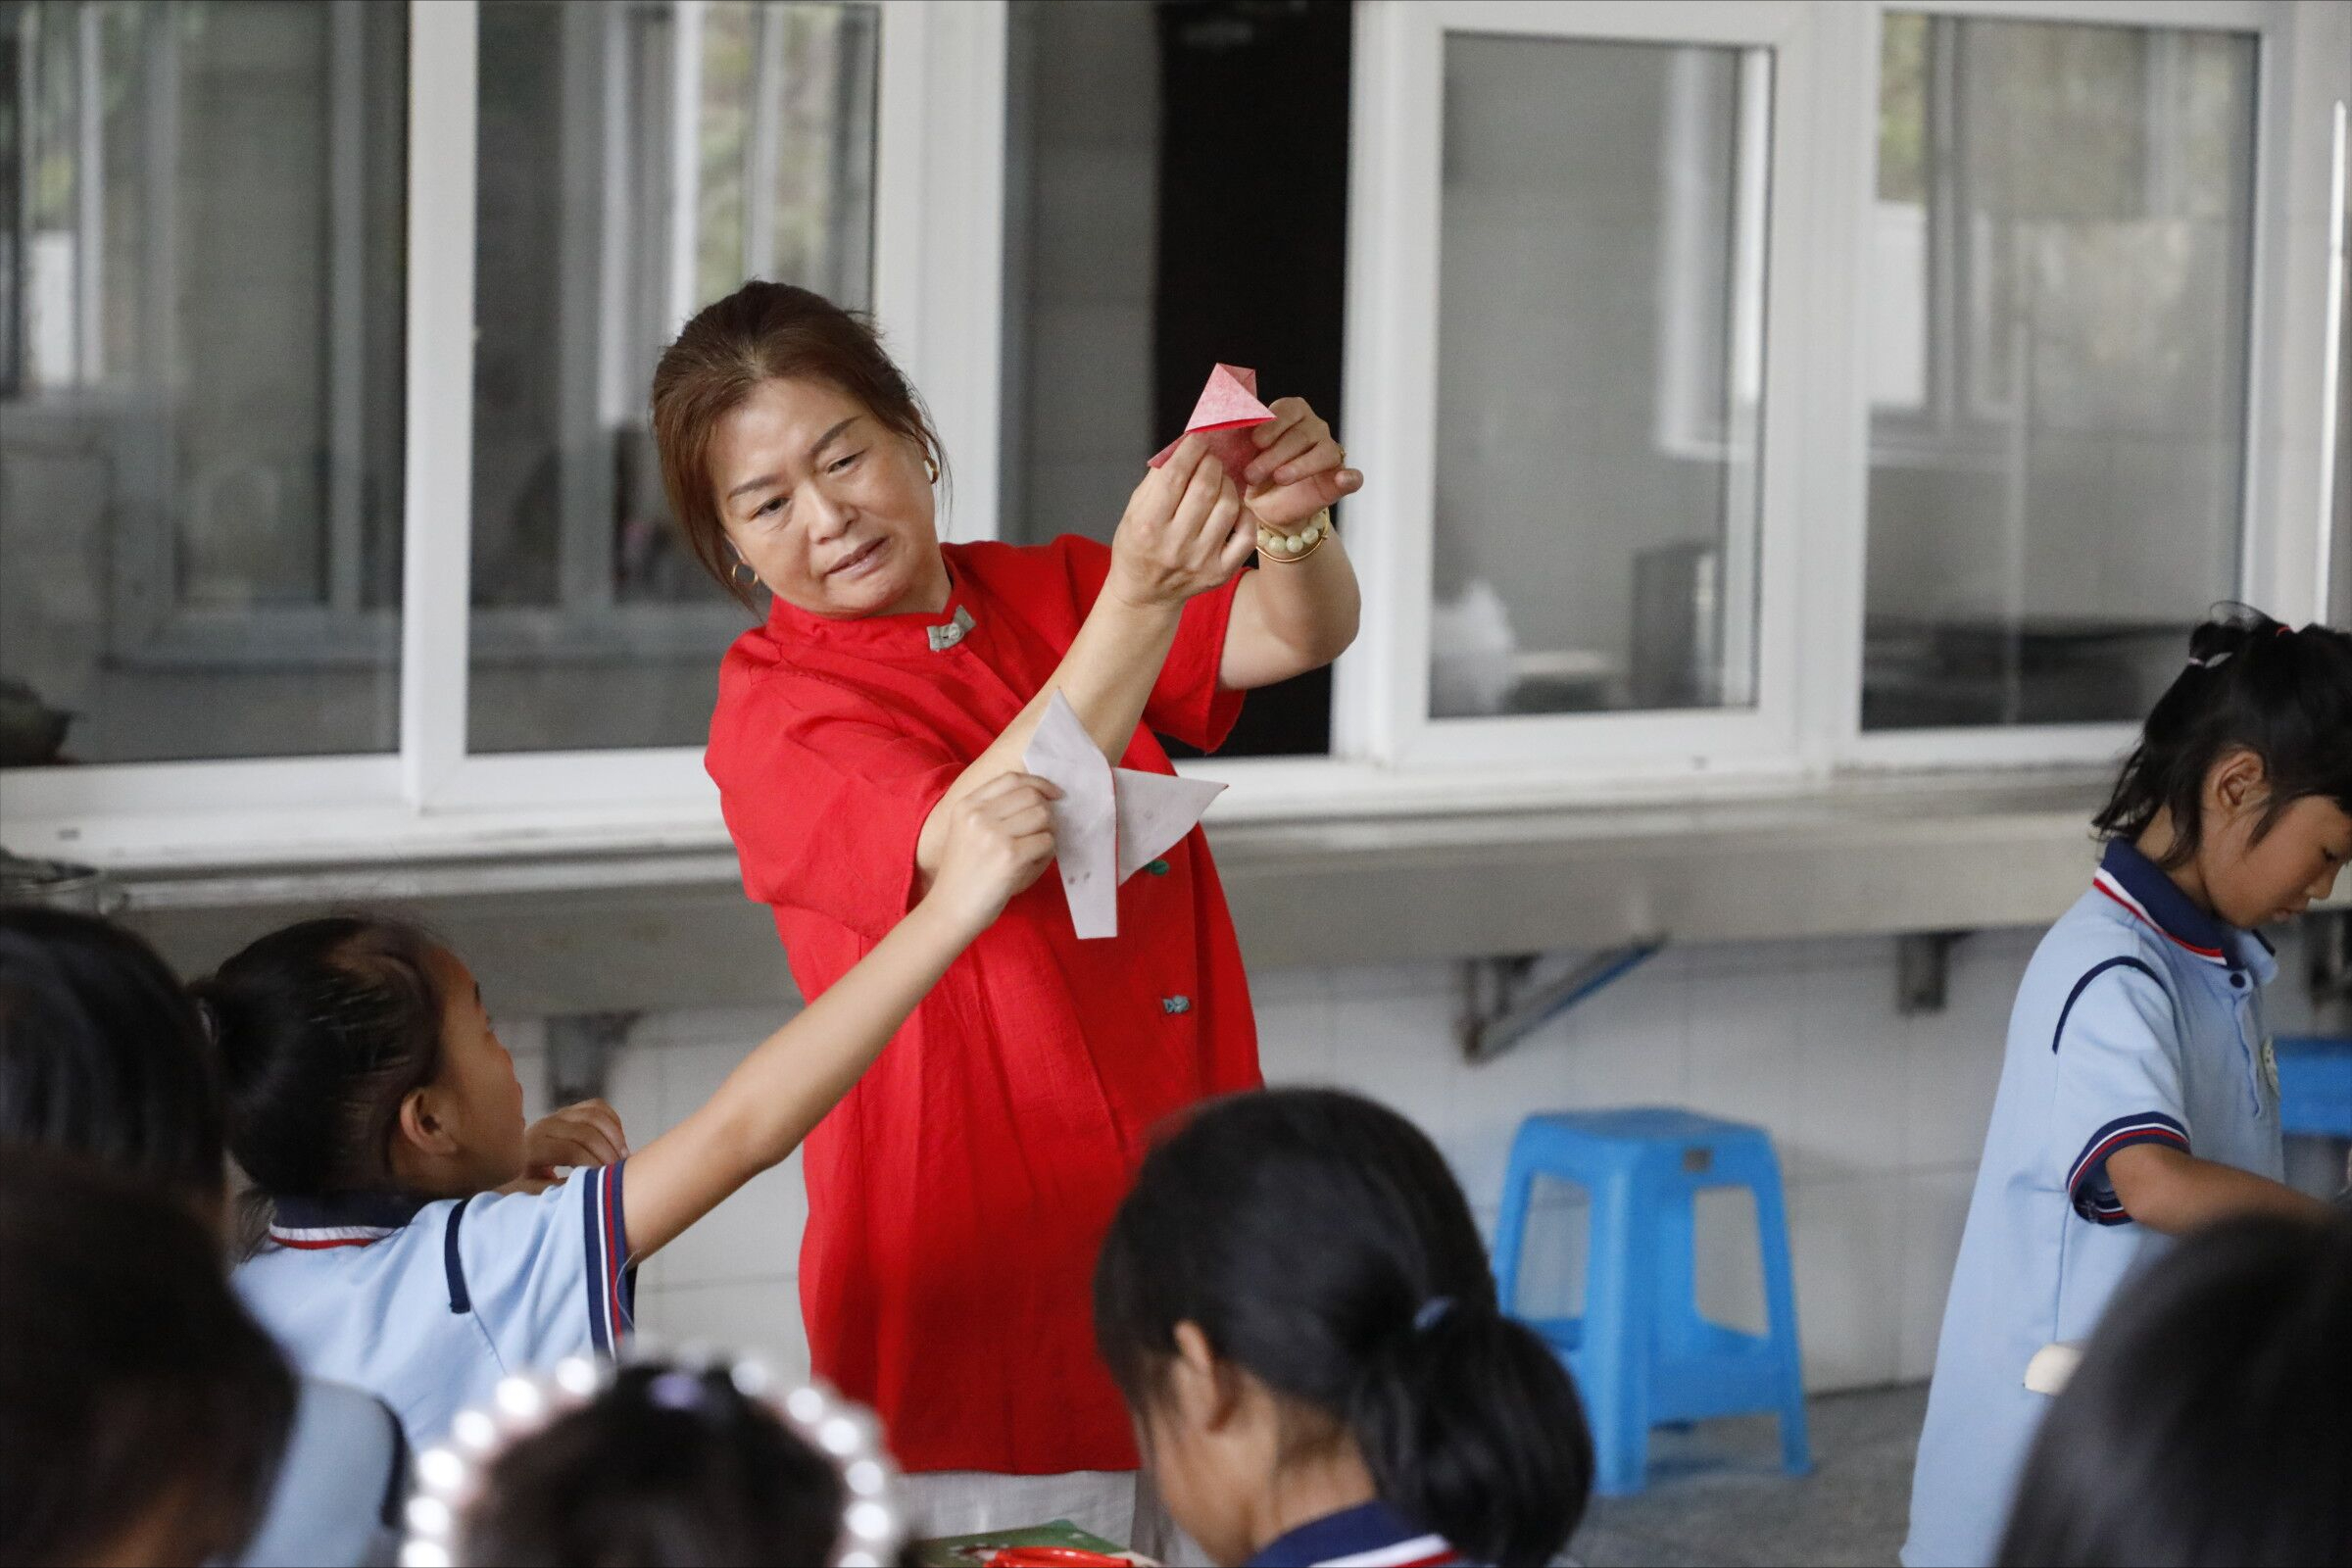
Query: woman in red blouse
{"type": "Point", "coordinates": [958, 1196]}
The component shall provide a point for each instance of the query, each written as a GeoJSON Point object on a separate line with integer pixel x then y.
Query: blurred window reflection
{"type": "Point", "coordinates": [2058, 311]}
{"type": "Point", "coordinates": [201, 294]}
{"type": "Point", "coordinates": [638, 161]}
{"type": "Point", "coordinates": [1599, 376]}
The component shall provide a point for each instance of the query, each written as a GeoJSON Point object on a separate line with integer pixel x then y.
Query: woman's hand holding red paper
{"type": "Point", "coordinates": [1183, 533]}
{"type": "Point", "coordinates": [1300, 468]}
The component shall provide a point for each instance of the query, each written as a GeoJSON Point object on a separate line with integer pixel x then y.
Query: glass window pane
{"type": "Point", "coordinates": [200, 379]}
{"type": "Point", "coordinates": [1124, 148]}
{"type": "Point", "coordinates": [593, 626]}
{"type": "Point", "coordinates": [2059, 496]}
{"type": "Point", "coordinates": [1599, 376]}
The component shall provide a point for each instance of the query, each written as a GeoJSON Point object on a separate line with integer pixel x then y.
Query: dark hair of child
{"type": "Point", "coordinates": [101, 1054]}
{"type": "Point", "coordinates": [667, 1467]}
{"type": "Point", "coordinates": [2250, 684]}
{"type": "Point", "coordinates": [142, 1413]}
{"type": "Point", "coordinates": [2208, 1423]}
{"type": "Point", "coordinates": [1319, 1243]}
{"type": "Point", "coordinates": [322, 1029]}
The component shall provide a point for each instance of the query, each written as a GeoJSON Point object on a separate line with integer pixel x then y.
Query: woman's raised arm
{"type": "Point", "coordinates": [1183, 534]}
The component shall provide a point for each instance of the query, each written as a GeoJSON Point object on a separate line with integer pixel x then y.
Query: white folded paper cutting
{"type": "Point", "coordinates": [1110, 822]}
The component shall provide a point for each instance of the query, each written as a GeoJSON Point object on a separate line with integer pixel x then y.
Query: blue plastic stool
{"type": "Point", "coordinates": [1642, 1356]}
{"type": "Point", "coordinates": [2315, 1085]}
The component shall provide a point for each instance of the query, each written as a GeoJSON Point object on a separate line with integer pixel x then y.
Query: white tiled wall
{"type": "Point", "coordinates": [1878, 1120]}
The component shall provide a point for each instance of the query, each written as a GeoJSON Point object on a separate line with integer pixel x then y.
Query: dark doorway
{"type": "Point", "coordinates": [1178, 196]}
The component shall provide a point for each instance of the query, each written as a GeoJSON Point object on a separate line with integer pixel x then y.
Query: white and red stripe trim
{"type": "Point", "coordinates": [1422, 1551]}
{"type": "Point", "coordinates": [2086, 1186]}
{"type": "Point", "coordinates": [2105, 881]}
{"type": "Point", "coordinates": [318, 1238]}
{"type": "Point", "coordinates": [607, 1249]}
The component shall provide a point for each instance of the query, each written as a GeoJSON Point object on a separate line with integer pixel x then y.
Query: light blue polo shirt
{"type": "Point", "coordinates": [336, 1502]}
{"type": "Point", "coordinates": [2137, 1021]}
{"type": "Point", "coordinates": [429, 1304]}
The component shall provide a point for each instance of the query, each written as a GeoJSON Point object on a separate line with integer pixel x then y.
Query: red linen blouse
{"type": "Point", "coordinates": [958, 1197]}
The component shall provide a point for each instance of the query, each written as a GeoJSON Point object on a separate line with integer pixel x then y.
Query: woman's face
{"type": "Point", "coordinates": [829, 506]}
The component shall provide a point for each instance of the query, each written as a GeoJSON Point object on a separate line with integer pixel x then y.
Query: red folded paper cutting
{"type": "Point", "coordinates": [1223, 418]}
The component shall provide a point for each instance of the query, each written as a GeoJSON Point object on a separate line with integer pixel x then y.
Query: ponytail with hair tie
{"type": "Point", "coordinates": [2251, 684]}
{"type": "Point", "coordinates": [1384, 1330]}
{"type": "Point", "coordinates": [321, 1030]}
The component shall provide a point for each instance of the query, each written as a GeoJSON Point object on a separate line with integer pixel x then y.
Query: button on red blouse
{"type": "Point", "coordinates": [958, 1196]}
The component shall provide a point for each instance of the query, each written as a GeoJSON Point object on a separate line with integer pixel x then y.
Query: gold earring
{"type": "Point", "coordinates": [742, 575]}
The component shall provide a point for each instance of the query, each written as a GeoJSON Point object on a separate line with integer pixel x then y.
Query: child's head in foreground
{"type": "Point", "coordinates": [142, 1413]}
{"type": "Point", "coordinates": [1296, 1305]}
{"type": "Point", "coordinates": [669, 1465]}
{"type": "Point", "coordinates": [356, 1057]}
{"type": "Point", "coordinates": [2241, 784]}
{"type": "Point", "coordinates": [101, 1055]}
{"type": "Point", "coordinates": [2210, 1422]}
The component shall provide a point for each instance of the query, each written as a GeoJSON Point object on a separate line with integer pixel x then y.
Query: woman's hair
{"type": "Point", "coordinates": [1319, 1244]}
{"type": "Point", "coordinates": [101, 1054]}
{"type": "Point", "coordinates": [134, 1392]}
{"type": "Point", "coordinates": [322, 1029]}
{"type": "Point", "coordinates": [764, 332]}
{"type": "Point", "coordinates": [667, 1467]}
{"type": "Point", "coordinates": [2211, 1419]}
{"type": "Point", "coordinates": [2250, 684]}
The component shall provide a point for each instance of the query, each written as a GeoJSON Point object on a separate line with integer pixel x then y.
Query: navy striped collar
{"type": "Point", "coordinates": [341, 1219]}
{"type": "Point", "coordinates": [2137, 883]}
{"type": "Point", "coordinates": [1372, 1535]}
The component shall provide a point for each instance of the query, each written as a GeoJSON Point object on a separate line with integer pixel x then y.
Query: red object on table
{"type": "Point", "coordinates": [958, 1197]}
{"type": "Point", "coordinates": [1055, 1557]}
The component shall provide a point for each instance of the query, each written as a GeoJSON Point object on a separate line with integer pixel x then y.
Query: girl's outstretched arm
{"type": "Point", "coordinates": [996, 841]}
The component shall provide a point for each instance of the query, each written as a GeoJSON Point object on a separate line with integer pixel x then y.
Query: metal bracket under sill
{"type": "Point", "coordinates": [1499, 1011]}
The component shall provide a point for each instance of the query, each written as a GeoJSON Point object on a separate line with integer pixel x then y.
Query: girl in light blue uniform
{"type": "Point", "coordinates": [2138, 1098]}
{"type": "Point", "coordinates": [415, 1247]}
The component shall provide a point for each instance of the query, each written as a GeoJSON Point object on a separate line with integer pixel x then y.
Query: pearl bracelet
{"type": "Point", "coordinates": [1296, 546]}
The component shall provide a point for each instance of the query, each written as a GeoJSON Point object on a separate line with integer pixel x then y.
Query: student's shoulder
{"type": "Point", "coordinates": [511, 1224]}
{"type": "Point", "coordinates": [498, 1210]}
{"type": "Point", "coordinates": [2094, 950]}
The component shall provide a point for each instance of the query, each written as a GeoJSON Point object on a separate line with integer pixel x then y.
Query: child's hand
{"type": "Point", "coordinates": [584, 1136]}
{"type": "Point", "coordinates": [998, 837]}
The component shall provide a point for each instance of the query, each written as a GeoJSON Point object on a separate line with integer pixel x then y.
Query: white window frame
{"type": "Point", "coordinates": [1381, 703]}
{"type": "Point", "coordinates": [2284, 377]}
{"type": "Point", "coordinates": [939, 174]}
{"type": "Point", "coordinates": [938, 255]}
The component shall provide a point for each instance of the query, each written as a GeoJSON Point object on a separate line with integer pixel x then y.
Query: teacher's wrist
{"type": "Point", "coordinates": [1144, 605]}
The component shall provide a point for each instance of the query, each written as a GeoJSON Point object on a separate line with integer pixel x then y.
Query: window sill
{"type": "Point", "coordinates": [575, 926]}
